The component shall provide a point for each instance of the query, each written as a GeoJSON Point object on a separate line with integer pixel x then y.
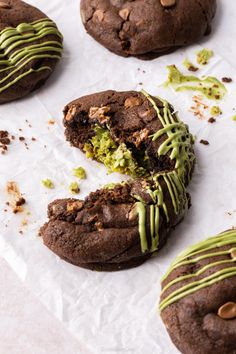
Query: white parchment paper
{"type": "Point", "coordinates": [111, 312]}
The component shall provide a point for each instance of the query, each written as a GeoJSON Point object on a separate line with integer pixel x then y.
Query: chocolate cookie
{"type": "Point", "coordinates": [122, 225]}
{"type": "Point", "coordinates": [147, 28]}
{"type": "Point", "coordinates": [30, 47]}
{"type": "Point", "coordinates": [198, 299]}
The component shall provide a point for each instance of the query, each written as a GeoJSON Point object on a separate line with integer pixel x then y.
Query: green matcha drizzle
{"type": "Point", "coordinates": [178, 146]}
{"type": "Point", "coordinates": [227, 238]}
{"type": "Point", "coordinates": [23, 34]}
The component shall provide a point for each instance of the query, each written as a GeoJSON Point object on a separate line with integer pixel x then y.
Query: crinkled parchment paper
{"type": "Point", "coordinates": [111, 312]}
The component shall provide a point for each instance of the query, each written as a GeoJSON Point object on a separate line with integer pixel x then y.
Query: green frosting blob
{"type": "Point", "coordinates": [209, 86]}
{"type": "Point", "coordinates": [18, 48]}
{"type": "Point", "coordinates": [116, 158]}
{"type": "Point", "coordinates": [193, 255]}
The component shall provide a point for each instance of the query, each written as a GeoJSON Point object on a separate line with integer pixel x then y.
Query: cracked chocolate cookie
{"type": "Point", "coordinates": [147, 28]}
{"type": "Point", "coordinates": [30, 47]}
{"type": "Point", "coordinates": [198, 299]}
{"type": "Point", "coordinates": [122, 225]}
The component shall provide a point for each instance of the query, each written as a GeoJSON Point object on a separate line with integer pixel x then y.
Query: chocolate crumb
{"type": "Point", "coordinates": [211, 120]}
{"type": "Point", "coordinates": [226, 79]}
{"type": "Point", "coordinates": [21, 138]}
{"type": "Point", "coordinates": [204, 142]}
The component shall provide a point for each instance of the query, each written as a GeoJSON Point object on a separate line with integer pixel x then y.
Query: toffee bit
{"type": "Point", "coordinates": [51, 122]}
{"type": "Point", "coordinates": [190, 66]}
{"type": "Point", "coordinates": [204, 142]}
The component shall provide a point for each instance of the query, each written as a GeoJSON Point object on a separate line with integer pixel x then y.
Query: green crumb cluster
{"type": "Point", "coordinates": [209, 86]}
{"type": "Point", "coordinates": [116, 158]}
{"type": "Point", "coordinates": [234, 118]}
{"type": "Point", "coordinates": [215, 111]}
{"type": "Point", "coordinates": [74, 188]}
{"type": "Point", "coordinates": [47, 183]}
{"type": "Point", "coordinates": [79, 172]}
{"type": "Point", "coordinates": [204, 55]}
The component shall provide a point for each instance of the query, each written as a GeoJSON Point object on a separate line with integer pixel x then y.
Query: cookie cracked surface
{"type": "Point", "coordinates": [198, 299]}
{"type": "Point", "coordinates": [30, 47]}
{"type": "Point", "coordinates": [121, 226]}
{"type": "Point", "coordinates": [147, 28]}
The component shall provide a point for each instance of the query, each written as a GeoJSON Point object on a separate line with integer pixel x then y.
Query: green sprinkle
{"type": "Point", "coordinates": [204, 55]}
{"type": "Point", "coordinates": [215, 111]}
{"type": "Point", "coordinates": [79, 172]}
{"type": "Point", "coordinates": [74, 188]}
{"type": "Point", "coordinates": [47, 183]}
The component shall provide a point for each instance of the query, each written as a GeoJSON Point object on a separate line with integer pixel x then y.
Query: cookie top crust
{"type": "Point", "coordinates": [135, 134]}
{"type": "Point", "coordinates": [147, 28]}
{"type": "Point", "coordinates": [30, 47]}
{"type": "Point", "coordinates": [200, 286]}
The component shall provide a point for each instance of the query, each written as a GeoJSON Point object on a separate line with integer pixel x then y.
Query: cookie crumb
{"type": "Point", "coordinates": [17, 201]}
{"type": "Point", "coordinates": [226, 79]}
{"type": "Point", "coordinates": [74, 188]}
{"type": "Point", "coordinates": [204, 142]}
{"type": "Point", "coordinates": [211, 120]}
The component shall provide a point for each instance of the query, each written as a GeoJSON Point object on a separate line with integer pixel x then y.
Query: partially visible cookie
{"type": "Point", "coordinates": [198, 299]}
{"type": "Point", "coordinates": [30, 47]}
{"type": "Point", "coordinates": [147, 29]}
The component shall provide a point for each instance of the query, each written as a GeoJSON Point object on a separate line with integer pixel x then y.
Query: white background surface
{"type": "Point", "coordinates": [105, 312]}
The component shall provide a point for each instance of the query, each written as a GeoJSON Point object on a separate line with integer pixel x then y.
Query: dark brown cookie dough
{"type": "Point", "coordinates": [147, 28]}
{"type": "Point", "coordinates": [198, 300]}
{"type": "Point", "coordinates": [121, 226]}
{"type": "Point", "coordinates": [30, 47]}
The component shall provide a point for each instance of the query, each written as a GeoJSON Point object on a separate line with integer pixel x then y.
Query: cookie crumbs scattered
{"type": "Point", "coordinates": [80, 173]}
{"type": "Point", "coordinates": [211, 120]}
{"type": "Point", "coordinates": [74, 188]}
{"type": "Point", "coordinates": [4, 141]}
{"type": "Point", "coordinates": [17, 201]}
{"type": "Point", "coordinates": [33, 139]}
{"type": "Point", "coordinates": [204, 142]}
{"type": "Point", "coordinates": [21, 138]}
{"type": "Point", "coordinates": [199, 107]}
{"type": "Point", "coordinates": [47, 183]}
{"type": "Point", "coordinates": [226, 79]}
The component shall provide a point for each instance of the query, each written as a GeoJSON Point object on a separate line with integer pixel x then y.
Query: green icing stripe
{"type": "Point", "coordinates": [227, 238]}
{"type": "Point", "coordinates": [177, 146]}
{"type": "Point", "coordinates": [14, 60]}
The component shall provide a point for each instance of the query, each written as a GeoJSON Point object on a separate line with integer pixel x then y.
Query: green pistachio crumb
{"type": "Point", "coordinates": [47, 183]}
{"type": "Point", "coordinates": [116, 157]}
{"type": "Point", "coordinates": [79, 172]}
{"type": "Point", "coordinates": [234, 118]}
{"type": "Point", "coordinates": [215, 111]}
{"type": "Point", "coordinates": [204, 55]}
{"type": "Point", "coordinates": [74, 188]}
